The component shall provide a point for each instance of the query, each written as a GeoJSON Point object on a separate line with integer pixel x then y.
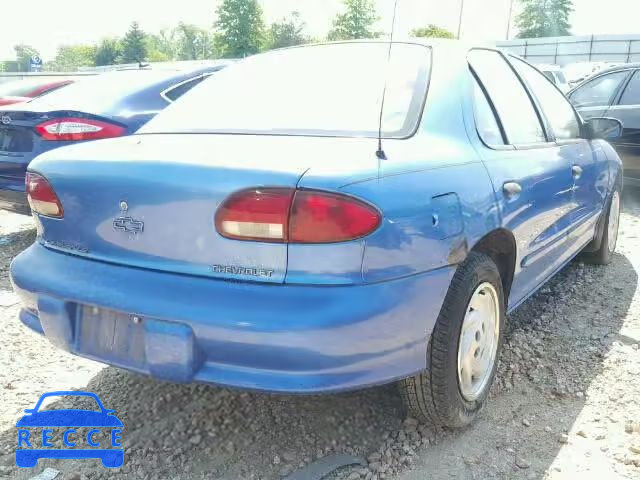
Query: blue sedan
{"type": "Point", "coordinates": [306, 235]}
{"type": "Point", "coordinates": [106, 106]}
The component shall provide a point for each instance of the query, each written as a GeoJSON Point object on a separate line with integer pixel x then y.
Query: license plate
{"type": "Point", "coordinates": [15, 140]}
{"type": "Point", "coordinates": [113, 336]}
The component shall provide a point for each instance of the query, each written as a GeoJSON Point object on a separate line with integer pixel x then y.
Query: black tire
{"type": "Point", "coordinates": [434, 395]}
{"type": "Point", "coordinates": [604, 254]}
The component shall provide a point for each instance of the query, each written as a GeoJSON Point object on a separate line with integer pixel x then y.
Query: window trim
{"type": "Point", "coordinates": [503, 134]}
{"type": "Point", "coordinates": [546, 126]}
{"type": "Point", "coordinates": [555, 140]}
{"type": "Point", "coordinates": [541, 120]}
{"type": "Point", "coordinates": [166, 91]}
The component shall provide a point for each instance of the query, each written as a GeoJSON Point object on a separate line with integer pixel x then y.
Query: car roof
{"type": "Point", "coordinates": [439, 43]}
{"type": "Point", "coordinates": [442, 47]}
{"type": "Point", "coordinates": [616, 68]}
{"type": "Point", "coordinates": [29, 84]}
{"type": "Point", "coordinates": [131, 87]}
{"type": "Point", "coordinates": [604, 71]}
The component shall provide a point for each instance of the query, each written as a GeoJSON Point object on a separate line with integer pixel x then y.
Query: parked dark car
{"type": "Point", "coordinates": [615, 93]}
{"type": "Point", "coordinates": [110, 105]}
{"type": "Point", "coordinates": [24, 90]}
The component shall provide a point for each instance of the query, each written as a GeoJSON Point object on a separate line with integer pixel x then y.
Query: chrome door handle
{"type": "Point", "coordinates": [576, 171]}
{"type": "Point", "coordinates": [511, 189]}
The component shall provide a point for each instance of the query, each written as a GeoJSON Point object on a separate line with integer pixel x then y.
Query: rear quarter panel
{"type": "Point", "coordinates": [434, 193]}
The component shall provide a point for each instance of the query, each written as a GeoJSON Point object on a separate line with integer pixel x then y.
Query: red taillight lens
{"type": "Point", "coordinates": [42, 198]}
{"type": "Point", "coordinates": [321, 217]}
{"type": "Point", "coordinates": [295, 216]}
{"type": "Point", "coordinates": [260, 214]}
{"type": "Point", "coordinates": [74, 129]}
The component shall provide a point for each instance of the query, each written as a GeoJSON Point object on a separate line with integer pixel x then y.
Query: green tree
{"type": "Point", "coordinates": [134, 45]}
{"type": "Point", "coordinates": [107, 52]}
{"type": "Point", "coordinates": [23, 56]}
{"type": "Point", "coordinates": [70, 57]}
{"type": "Point", "coordinates": [544, 18]}
{"type": "Point", "coordinates": [432, 31]}
{"type": "Point", "coordinates": [286, 33]}
{"type": "Point", "coordinates": [194, 43]}
{"type": "Point", "coordinates": [162, 47]}
{"type": "Point", "coordinates": [239, 28]}
{"type": "Point", "coordinates": [357, 21]}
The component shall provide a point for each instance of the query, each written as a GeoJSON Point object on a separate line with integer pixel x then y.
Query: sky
{"type": "Point", "coordinates": [46, 25]}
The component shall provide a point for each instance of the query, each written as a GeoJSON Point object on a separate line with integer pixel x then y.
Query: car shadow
{"type": "Point", "coordinates": [11, 244]}
{"type": "Point", "coordinates": [631, 201]}
{"type": "Point", "coordinates": [200, 431]}
{"type": "Point", "coordinates": [548, 366]}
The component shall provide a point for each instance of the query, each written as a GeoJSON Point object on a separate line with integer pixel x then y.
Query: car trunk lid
{"type": "Point", "coordinates": [150, 200]}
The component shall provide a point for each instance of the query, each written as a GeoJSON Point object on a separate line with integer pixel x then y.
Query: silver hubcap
{"type": "Point", "coordinates": [478, 343]}
{"type": "Point", "coordinates": [614, 221]}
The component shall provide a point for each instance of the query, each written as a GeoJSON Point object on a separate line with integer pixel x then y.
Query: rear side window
{"type": "Point", "coordinates": [516, 112]}
{"type": "Point", "coordinates": [631, 95]}
{"type": "Point", "coordinates": [173, 93]}
{"type": "Point", "coordinates": [599, 91]}
{"type": "Point", "coordinates": [486, 121]}
{"type": "Point", "coordinates": [557, 109]}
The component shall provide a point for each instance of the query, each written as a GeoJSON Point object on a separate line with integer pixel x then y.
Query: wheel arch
{"type": "Point", "coordinates": [617, 183]}
{"type": "Point", "coordinates": [500, 245]}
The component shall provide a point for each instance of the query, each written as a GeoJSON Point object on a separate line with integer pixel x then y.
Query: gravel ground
{"type": "Point", "coordinates": [566, 404]}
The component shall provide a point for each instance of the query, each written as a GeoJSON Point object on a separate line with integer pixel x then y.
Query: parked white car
{"type": "Point", "coordinates": [556, 75]}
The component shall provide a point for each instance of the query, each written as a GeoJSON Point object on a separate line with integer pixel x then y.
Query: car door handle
{"type": "Point", "coordinates": [576, 170]}
{"type": "Point", "coordinates": [511, 189]}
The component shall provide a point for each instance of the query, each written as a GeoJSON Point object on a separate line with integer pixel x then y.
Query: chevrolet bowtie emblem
{"type": "Point", "coordinates": [128, 224]}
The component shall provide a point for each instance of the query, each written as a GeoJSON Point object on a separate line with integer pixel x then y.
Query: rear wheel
{"type": "Point", "coordinates": [604, 254]}
{"type": "Point", "coordinates": [463, 350]}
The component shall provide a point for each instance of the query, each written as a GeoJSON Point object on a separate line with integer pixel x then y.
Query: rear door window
{"type": "Point", "coordinates": [510, 99]}
{"type": "Point", "coordinates": [631, 95]}
{"type": "Point", "coordinates": [598, 92]}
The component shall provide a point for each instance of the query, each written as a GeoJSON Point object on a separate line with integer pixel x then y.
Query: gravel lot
{"type": "Point", "coordinates": [566, 405]}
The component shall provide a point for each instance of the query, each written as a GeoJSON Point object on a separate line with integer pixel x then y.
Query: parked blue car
{"type": "Point", "coordinates": [109, 105]}
{"type": "Point", "coordinates": [276, 243]}
{"type": "Point", "coordinates": [32, 447]}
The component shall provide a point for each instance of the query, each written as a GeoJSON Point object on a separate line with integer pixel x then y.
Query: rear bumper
{"type": "Point", "coordinates": [283, 338]}
{"type": "Point", "coordinates": [14, 201]}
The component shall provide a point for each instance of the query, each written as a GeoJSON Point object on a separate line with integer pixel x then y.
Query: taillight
{"type": "Point", "coordinates": [73, 129]}
{"type": "Point", "coordinates": [295, 216]}
{"type": "Point", "coordinates": [41, 196]}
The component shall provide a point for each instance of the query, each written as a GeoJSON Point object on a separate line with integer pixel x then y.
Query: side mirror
{"type": "Point", "coordinates": [603, 127]}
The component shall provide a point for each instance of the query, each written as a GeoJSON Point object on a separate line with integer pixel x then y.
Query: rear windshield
{"type": "Point", "coordinates": [326, 90]}
{"type": "Point", "coordinates": [100, 92]}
